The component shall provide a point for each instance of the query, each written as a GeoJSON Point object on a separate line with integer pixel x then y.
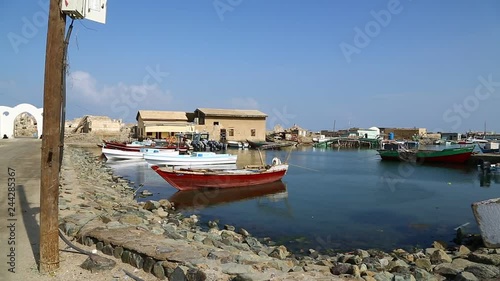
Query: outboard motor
{"type": "Point", "coordinates": [220, 146]}
{"type": "Point", "coordinates": [196, 145]}
{"type": "Point", "coordinates": [214, 145]}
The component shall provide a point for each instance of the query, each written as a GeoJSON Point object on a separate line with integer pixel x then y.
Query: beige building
{"type": "Point", "coordinates": [404, 133]}
{"type": "Point", "coordinates": [230, 124]}
{"type": "Point", "coordinates": [94, 124]}
{"type": "Point", "coordinates": [162, 124]}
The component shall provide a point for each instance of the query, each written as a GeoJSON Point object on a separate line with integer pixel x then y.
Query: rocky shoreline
{"type": "Point", "coordinates": [154, 237]}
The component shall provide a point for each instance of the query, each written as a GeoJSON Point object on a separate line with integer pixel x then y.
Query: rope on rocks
{"type": "Point", "coordinates": [129, 274]}
{"type": "Point", "coordinates": [80, 250]}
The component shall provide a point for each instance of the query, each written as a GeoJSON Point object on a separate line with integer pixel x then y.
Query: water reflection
{"type": "Point", "coordinates": [341, 199]}
{"type": "Point", "coordinates": [402, 165]}
{"type": "Point", "coordinates": [131, 169]}
{"type": "Point", "coordinates": [485, 179]}
{"type": "Point", "coordinates": [193, 199]}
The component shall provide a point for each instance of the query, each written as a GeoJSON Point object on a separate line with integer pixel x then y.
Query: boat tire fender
{"type": "Point", "coordinates": [276, 161]}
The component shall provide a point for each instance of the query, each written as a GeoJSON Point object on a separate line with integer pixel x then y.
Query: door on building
{"type": "Point", "coordinates": [222, 135]}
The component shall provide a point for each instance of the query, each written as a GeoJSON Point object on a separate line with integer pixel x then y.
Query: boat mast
{"type": "Point", "coordinates": [260, 155]}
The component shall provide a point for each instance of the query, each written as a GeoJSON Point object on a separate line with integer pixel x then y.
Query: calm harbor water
{"type": "Point", "coordinates": [337, 199]}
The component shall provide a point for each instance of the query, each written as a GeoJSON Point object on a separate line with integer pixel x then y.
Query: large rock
{"type": "Point", "coordinates": [487, 215]}
{"type": "Point", "coordinates": [234, 269]}
{"type": "Point", "coordinates": [461, 263]}
{"type": "Point", "coordinates": [423, 275]}
{"type": "Point", "coordinates": [179, 274]}
{"type": "Point", "coordinates": [131, 220]}
{"type": "Point", "coordinates": [493, 259]}
{"type": "Point", "coordinates": [341, 268]}
{"type": "Point", "coordinates": [165, 204]}
{"type": "Point", "coordinates": [95, 263]}
{"type": "Point", "coordinates": [440, 256]}
{"type": "Point", "coordinates": [384, 276]}
{"type": "Point", "coordinates": [317, 268]}
{"type": "Point", "coordinates": [483, 271]}
{"type": "Point", "coordinates": [463, 251]}
{"type": "Point", "coordinates": [424, 264]}
{"type": "Point", "coordinates": [280, 253]}
{"type": "Point", "coordinates": [466, 276]}
{"type": "Point", "coordinates": [448, 269]}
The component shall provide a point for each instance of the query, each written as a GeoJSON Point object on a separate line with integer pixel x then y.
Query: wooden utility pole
{"type": "Point", "coordinates": [51, 140]}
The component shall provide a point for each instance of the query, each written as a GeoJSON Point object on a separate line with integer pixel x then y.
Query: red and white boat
{"type": "Point", "coordinates": [137, 146]}
{"type": "Point", "coordinates": [123, 154]}
{"type": "Point", "coordinates": [191, 179]}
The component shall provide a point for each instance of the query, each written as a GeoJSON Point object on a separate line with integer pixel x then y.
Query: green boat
{"type": "Point", "coordinates": [448, 155]}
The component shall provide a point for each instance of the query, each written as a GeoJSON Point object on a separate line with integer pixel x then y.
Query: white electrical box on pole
{"type": "Point", "coordinates": [93, 10]}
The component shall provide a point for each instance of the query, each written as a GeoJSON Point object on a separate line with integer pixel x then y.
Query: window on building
{"type": "Point", "coordinates": [231, 132]}
{"type": "Point", "coordinates": [216, 123]}
{"type": "Point", "coordinates": [149, 134]}
{"type": "Point", "coordinates": [252, 132]}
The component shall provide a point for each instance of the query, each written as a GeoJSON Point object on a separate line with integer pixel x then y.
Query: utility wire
{"type": "Point", "coordinates": [63, 93]}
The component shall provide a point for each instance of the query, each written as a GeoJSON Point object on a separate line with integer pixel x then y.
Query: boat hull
{"type": "Point", "coordinates": [186, 160]}
{"type": "Point", "coordinates": [234, 144]}
{"type": "Point", "coordinates": [117, 154]}
{"type": "Point", "coordinates": [452, 155]}
{"type": "Point", "coordinates": [188, 180]}
{"type": "Point", "coordinates": [138, 147]}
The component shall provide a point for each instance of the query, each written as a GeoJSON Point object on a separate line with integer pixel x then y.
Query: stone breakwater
{"type": "Point", "coordinates": [151, 236]}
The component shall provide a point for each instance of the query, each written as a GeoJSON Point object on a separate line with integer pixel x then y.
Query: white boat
{"type": "Point", "coordinates": [474, 140]}
{"type": "Point", "coordinates": [196, 158]}
{"type": "Point", "coordinates": [118, 154]}
{"type": "Point", "coordinates": [151, 150]}
{"type": "Point", "coordinates": [322, 139]}
{"type": "Point", "coordinates": [141, 143]}
{"type": "Point", "coordinates": [234, 144]}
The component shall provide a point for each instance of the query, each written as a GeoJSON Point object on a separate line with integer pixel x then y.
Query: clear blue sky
{"type": "Point", "coordinates": [303, 62]}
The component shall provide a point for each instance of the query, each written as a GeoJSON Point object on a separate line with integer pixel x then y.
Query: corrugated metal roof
{"type": "Point", "coordinates": [232, 112]}
{"type": "Point", "coordinates": [162, 115]}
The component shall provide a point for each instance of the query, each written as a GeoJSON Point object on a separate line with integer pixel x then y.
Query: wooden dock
{"type": "Point", "coordinates": [493, 158]}
{"type": "Point", "coordinates": [345, 142]}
